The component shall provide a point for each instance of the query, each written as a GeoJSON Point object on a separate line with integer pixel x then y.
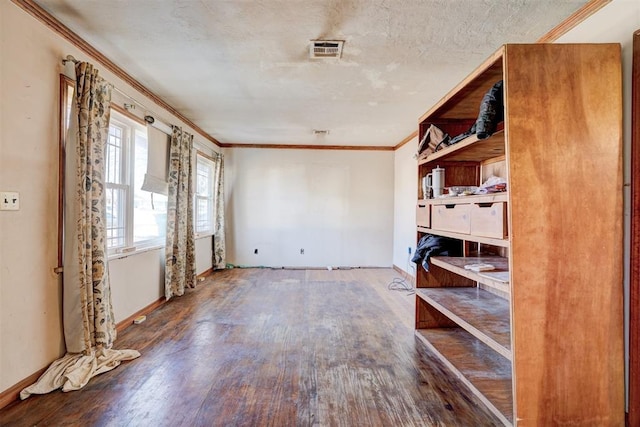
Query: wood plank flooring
{"type": "Point", "coordinates": [262, 347]}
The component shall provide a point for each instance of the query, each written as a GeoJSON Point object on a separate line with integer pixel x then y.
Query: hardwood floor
{"type": "Point", "coordinates": [262, 347]}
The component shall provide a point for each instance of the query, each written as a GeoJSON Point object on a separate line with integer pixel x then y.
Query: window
{"type": "Point", "coordinates": [117, 184]}
{"type": "Point", "coordinates": [204, 195]}
{"type": "Point", "coordinates": [135, 218]}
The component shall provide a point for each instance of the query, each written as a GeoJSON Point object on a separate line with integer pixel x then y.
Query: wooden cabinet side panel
{"type": "Point", "coordinates": [564, 141]}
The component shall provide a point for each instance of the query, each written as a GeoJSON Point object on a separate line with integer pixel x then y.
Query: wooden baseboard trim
{"type": "Point", "coordinates": [146, 310]}
{"type": "Point", "coordinates": [13, 393]}
{"type": "Point", "coordinates": [406, 275]}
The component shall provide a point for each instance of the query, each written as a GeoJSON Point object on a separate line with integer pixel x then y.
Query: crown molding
{"type": "Point", "coordinates": [56, 26]}
{"type": "Point", "coordinates": [404, 141]}
{"type": "Point", "coordinates": [573, 20]}
{"type": "Point", "coordinates": [310, 147]}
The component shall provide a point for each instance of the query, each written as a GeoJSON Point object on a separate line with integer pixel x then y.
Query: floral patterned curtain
{"type": "Point", "coordinates": [219, 247]}
{"type": "Point", "coordinates": [180, 264]}
{"type": "Point", "coordinates": [89, 326]}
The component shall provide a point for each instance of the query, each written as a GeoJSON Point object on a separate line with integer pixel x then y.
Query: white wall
{"type": "Point", "coordinates": [616, 23]}
{"type": "Point", "coordinates": [30, 296]}
{"type": "Point", "coordinates": [405, 198]}
{"type": "Point", "coordinates": [336, 205]}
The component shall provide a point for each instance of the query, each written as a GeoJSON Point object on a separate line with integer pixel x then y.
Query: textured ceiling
{"type": "Point", "coordinates": [240, 69]}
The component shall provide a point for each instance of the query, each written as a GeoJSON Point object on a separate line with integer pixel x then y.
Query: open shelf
{"type": "Point", "coordinates": [494, 278]}
{"type": "Point", "coordinates": [476, 198]}
{"type": "Point", "coordinates": [485, 372]}
{"type": "Point", "coordinates": [504, 243]}
{"type": "Point", "coordinates": [470, 149]}
{"type": "Point", "coordinates": [482, 314]}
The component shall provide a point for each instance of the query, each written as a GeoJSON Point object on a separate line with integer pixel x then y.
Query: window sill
{"type": "Point", "coordinates": [203, 235]}
{"type": "Point", "coordinates": [137, 251]}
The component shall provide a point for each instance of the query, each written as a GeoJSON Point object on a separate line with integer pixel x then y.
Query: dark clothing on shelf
{"type": "Point", "coordinates": [491, 111]}
{"type": "Point", "coordinates": [462, 136]}
{"type": "Point", "coordinates": [430, 245]}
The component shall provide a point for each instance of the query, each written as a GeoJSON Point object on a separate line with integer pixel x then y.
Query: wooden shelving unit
{"type": "Point", "coordinates": [538, 339]}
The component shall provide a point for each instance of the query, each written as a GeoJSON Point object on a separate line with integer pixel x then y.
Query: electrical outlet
{"type": "Point", "coordinates": [301, 251]}
{"type": "Point", "coordinates": [9, 201]}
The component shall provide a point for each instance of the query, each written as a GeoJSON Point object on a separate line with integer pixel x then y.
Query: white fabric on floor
{"type": "Point", "coordinates": [73, 371]}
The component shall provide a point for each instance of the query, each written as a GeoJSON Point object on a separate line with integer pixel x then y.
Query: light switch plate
{"type": "Point", "coordinates": [9, 201]}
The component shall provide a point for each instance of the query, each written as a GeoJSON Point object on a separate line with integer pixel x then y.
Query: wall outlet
{"type": "Point", "coordinates": [9, 201]}
{"type": "Point", "coordinates": [301, 251]}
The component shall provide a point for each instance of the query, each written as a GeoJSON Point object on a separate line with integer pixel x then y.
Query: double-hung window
{"type": "Point", "coordinates": [204, 195]}
{"type": "Point", "coordinates": [117, 183]}
{"type": "Point", "coordinates": [135, 218]}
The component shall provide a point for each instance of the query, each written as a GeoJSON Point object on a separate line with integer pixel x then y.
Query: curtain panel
{"type": "Point", "coordinates": [180, 262]}
{"type": "Point", "coordinates": [219, 246]}
{"type": "Point", "coordinates": [89, 325]}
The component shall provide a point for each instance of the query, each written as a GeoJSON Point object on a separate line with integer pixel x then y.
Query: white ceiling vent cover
{"type": "Point", "coordinates": [325, 49]}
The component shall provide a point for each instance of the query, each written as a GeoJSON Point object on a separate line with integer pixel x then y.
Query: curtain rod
{"type": "Point", "coordinates": [151, 120]}
{"type": "Point", "coordinates": [69, 58]}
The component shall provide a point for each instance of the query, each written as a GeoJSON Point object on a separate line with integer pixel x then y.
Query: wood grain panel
{"type": "Point", "coordinates": [456, 173]}
{"type": "Point", "coordinates": [564, 139]}
{"type": "Point", "coordinates": [634, 275]}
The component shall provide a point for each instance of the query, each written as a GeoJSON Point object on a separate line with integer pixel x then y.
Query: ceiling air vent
{"type": "Point", "coordinates": [324, 49]}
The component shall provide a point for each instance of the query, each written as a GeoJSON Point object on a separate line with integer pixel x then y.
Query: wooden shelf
{"type": "Point", "coordinates": [504, 243]}
{"type": "Point", "coordinates": [456, 265]}
{"type": "Point", "coordinates": [482, 314]}
{"type": "Point", "coordinates": [485, 372]}
{"type": "Point", "coordinates": [479, 198]}
{"type": "Point", "coordinates": [470, 149]}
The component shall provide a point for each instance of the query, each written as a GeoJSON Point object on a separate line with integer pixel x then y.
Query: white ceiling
{"type": "Point", "coordinates": [240, 69]}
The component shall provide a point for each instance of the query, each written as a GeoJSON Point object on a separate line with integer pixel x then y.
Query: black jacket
{"type": "Point", "coordinates": [430, 245]}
